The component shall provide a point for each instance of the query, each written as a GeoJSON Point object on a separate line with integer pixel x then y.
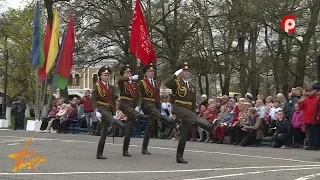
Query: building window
{"type": "Point", "coordinates": [77, 80]}
{"type": "Point", "coordinates": [95, 78]}
{"type": "Point", "coordinates": [70, 81]}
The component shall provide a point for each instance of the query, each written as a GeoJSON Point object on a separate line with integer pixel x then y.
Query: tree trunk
{"type": "Point", "coordinates": [276, 65]}
{"type": "Point", "coordinates": [200, 84]}
{"type": "Point", "coordinates": [207, 84]}
{"type": "Point", "coordinates": [243, 67]}
{"type": "Point", "coordinates": [285, 68]}
{"type": "Point", "coordinates": [254, 70]}
{"type": "Point", "coordinates": [304, 47]}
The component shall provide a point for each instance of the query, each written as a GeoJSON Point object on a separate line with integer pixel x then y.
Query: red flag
{"type": "Point", "coordinates": [140, 44]}
{"type": "Point", "coordinates": [42, 71]}
{"type": "Point", "coordinates": [66, 58]}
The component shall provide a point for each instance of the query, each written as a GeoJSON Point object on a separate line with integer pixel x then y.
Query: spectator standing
{"type": "Point", "coordinates": [310, 107]}
{"type": "Point", "coordinates": [297, 119]}
{"type": "Point", "coordinates": [88, 110]}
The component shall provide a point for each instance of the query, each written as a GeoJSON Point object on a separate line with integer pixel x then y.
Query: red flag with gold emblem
{"type": "Point", "coordinates": [140, 43]}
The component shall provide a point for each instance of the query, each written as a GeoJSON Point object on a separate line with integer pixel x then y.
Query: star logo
{"type": "Point", "coordinates": [30, 163]}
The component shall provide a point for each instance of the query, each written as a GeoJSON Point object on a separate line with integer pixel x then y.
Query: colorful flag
{"type": "Point", "coordinates": [65, 59]}
{"type": "Point", "coordinates": [37, 44]}
{"type": "Point", "coordinates": [42, 70]}
{"type": "Point", "coordinates": [140, 44]}
{"type": "Point", "coordinates": [54, 42]}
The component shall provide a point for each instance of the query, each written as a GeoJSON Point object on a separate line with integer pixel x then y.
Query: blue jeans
{"type": "Point", "coordinates": [313, 131]}
{"type": "Point", "coordinates": [88, 115]}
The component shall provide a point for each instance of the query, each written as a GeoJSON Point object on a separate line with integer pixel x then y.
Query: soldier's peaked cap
{"type": "Point", "coordinates": [125, 68]}
{"type": "Point", "coordinates": [104, 69]}
{"type": "Point", "coordinates": [184, 66]}
{"type": "Point", "coordinates": [147, 67]}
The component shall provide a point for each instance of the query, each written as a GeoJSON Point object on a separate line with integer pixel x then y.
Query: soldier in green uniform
{"type": "Point", "coordinates": [128, 104]}
{"type": "Point", "coordinates": [149, 102]}
{"type": "Point", "coordinates": [184, 98]}
{"type": "Point", "coordinates": [103, 101]}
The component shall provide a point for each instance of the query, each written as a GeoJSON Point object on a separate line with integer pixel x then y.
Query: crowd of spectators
{"type": "Point", "coordinates": [245, 121]}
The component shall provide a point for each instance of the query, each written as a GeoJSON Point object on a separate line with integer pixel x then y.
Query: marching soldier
{"type": "Point", "coordinates": [128, 105]}
{"type": "Point", "coordinates": [184, 98]}
{"type": "Point", "coordinates": [149, 102]}
{"type": "Point", "coordinates": [103, 101]}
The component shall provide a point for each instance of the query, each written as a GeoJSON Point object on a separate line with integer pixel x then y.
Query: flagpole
{"type": "Point", "coordinates": [43, 114]}
{"type": "Point", "coordinates": [37, 87]}
{"type": "Point", "coordinates": [37, 95]}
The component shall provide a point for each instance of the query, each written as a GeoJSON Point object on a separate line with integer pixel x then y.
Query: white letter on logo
{"type": "Point", "coordinates": [289, 24]}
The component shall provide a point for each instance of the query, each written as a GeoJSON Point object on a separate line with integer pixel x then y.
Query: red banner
{"type": "Point", "coordinates": [140, 43]}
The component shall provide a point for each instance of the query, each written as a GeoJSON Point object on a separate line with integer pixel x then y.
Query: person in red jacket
{"type": "Point", "coordinates": [88, 109]}
{"type": "Point", "coordinates": [310, 106]}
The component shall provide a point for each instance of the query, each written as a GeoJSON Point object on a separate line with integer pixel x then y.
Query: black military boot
{"type": "Point", "coordinates": [204, 124]}
{"type": "Point", "coordinates": [181, 160]}
{"type": "Point", "coordinates": [126, 154]}
{"type": "Point", "coordinates": [100, 151]}
{"type": "Point", "coordinates": [126, 140]}
{"type": "Point", "coordinates": [180, 150]}
{"type": "Point", "coordinates": [145, 151]}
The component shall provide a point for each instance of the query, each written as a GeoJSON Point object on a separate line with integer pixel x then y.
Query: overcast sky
{"type": "Point", "coordinates": [14, 4]}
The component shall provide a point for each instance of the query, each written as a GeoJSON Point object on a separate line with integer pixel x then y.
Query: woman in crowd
{"type": "Point", "coordinates": [253, 129]}
{"type": "Point", "coordinates": [236, 126]}
{"type": "Point", "coordinates": [70, 115]}
{"type": "Point", "coordinates": [203, 114]}
{"type": "Point", "coordinates": [212, 114]}
{"type": "Point", "coordinates": [51, 116]}
{"type": "Point", "coordinates": [224, 123]}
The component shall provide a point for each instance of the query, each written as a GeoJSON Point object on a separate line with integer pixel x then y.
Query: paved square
{"type": "Point", "coordinates": [73, 157]}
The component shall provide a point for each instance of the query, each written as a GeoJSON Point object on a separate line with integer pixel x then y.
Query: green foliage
{"type": "Point", "coordinates": [18, 27]}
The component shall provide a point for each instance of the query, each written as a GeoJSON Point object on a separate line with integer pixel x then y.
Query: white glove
{"type": "Point", "coordinates": [137, 108]}
{"type": "Point", "coordinates": [98, 116]}
{"type": "Point", "coordinates": [225, 124]}
{"type": "Point", "coordinates": [135, 77]}
{"type": "Point", "coordinates": [178, 72]}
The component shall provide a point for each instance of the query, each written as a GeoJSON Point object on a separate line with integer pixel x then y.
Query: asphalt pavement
{"type": "Point", "coordinates": [71, 157]}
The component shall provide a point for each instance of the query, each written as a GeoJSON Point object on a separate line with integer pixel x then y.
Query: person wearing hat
{"type": "Point", "coordinates": [103, 101]}
{"type": "Point", "coordinates": [149, 102]}
{"type": "Point", "coordinates": [184, 96]}
{"type": "Point", "coordinates": [128, 105]}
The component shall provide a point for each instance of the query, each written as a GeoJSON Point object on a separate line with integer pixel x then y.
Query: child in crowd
{"type": "Point", "coordinates": [297, 119]}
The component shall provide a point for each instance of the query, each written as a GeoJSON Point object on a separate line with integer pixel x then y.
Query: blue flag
{"type": "Point", "coordinates": [37, 44]}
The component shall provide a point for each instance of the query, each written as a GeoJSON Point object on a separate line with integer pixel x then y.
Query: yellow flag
{"type": "Point", "coordinates": [54, 42]}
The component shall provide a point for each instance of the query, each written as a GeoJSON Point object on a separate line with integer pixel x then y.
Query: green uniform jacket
{"type": "Point", "coordinates": [146, 96]}
{"type": "Point", "coordinates": [100, 99]}
{"type": "Point", "coordinates": [125, 90]}
{"type": "Point", "coordinates": [182, 96]}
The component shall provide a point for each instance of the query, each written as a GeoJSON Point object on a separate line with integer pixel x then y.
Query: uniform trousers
{"type": "Point", "coordinates": [187, 118]}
